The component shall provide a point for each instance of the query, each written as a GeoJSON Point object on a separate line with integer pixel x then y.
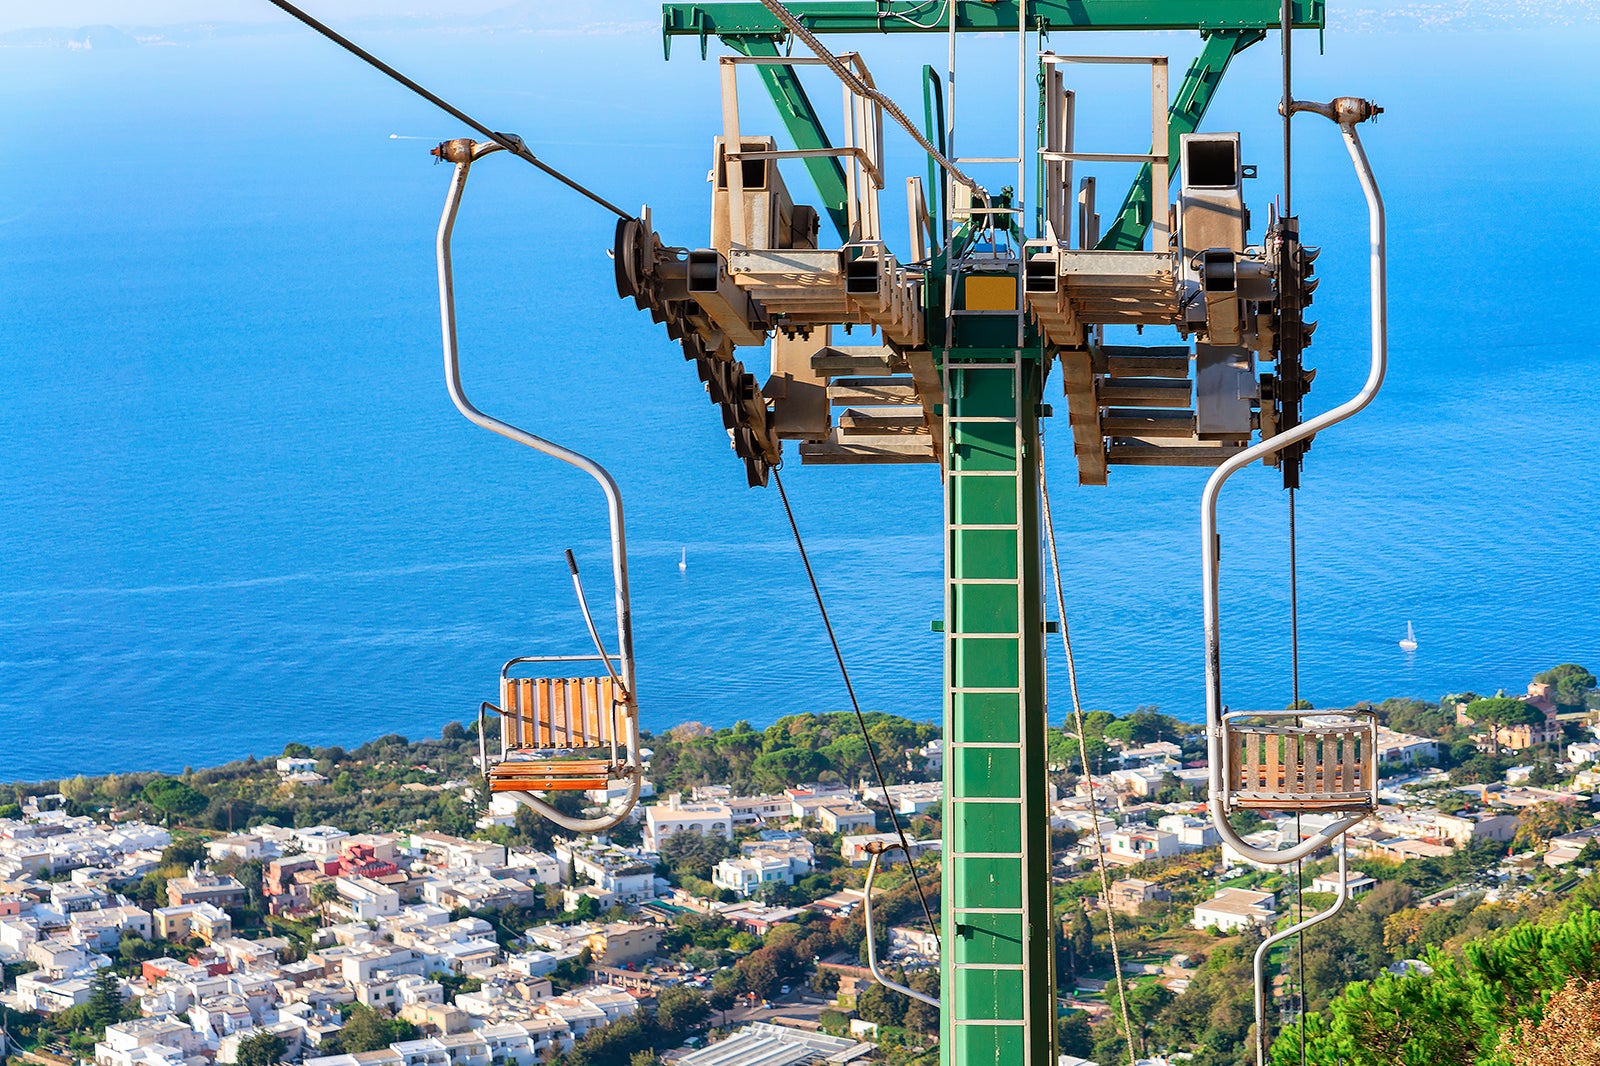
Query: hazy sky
{"type": "Point", "coordinates": [22, 14]}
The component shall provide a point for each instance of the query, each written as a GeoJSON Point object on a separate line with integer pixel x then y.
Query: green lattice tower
{"type": "Point", "coordinates": [998, 980]}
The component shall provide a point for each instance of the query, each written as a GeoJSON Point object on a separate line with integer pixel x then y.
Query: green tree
{"type": "Point", "coordinates": [1457, 1015]}
{"type": "Point", "coordinates": [322, 894]}
{"type": "Point", "coordinates": [923, 1017]}
{"type": "Point", "coordinates": [1144, 726]}
{"type": "Point", "coordinates": [367, 1030]}
{"type": "Point", "coordinates": [263, 1048]}
{"type": "Point", "coordinates": [680, 1011]}
{"type": "Point", "coordinates": [1495, 712]}
{"type": "Point", "coordinates": [1540, 822]}
{"type": "Point", "coordinates": [105, 1000]}
{"type": "Point", "coordinates": [1570, 683]}
{"type": "Point", "coordinates": [184, 853]}
{"type": "Point", "coordinates": [1073, 1035]}
{"type": "Point", "coordinates": [174, 798]}
{"type": "Point", "coordinates": [875, 1003]}
{"type": "Point", "coordinates": [612, 1044]}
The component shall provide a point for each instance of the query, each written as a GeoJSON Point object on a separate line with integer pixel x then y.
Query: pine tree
{"type": "Point", "coordinates": [105, 1000]}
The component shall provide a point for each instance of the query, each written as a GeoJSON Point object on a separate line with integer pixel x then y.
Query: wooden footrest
{"type": "Point", "coordinates": [549, 775]}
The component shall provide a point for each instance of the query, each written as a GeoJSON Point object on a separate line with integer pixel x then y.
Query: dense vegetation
{"type": "Point", "coordinates": [793, 750]}
{"type": "Point", "coordinates": [1482, 1006]}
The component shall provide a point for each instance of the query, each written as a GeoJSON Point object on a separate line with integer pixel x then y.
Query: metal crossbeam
{"type": "Point", "coordinates": [1127, 231]}
{"type": "Point", "coordinates": [748, 18]}
{"type": "Point", "coordinates": [804, 126]}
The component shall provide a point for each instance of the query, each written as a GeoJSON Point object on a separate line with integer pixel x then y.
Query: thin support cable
{"type": "Point", "coordinates": [1294, 609]}
{"type": "Point", "coordinates": [509, 141]}
{"type": "Point", "coordinates": [1300, 939]}
{"type": "Point", "coordinates": [1300, 871]}
{"type": "Point", "coordinates": [855, 704]}
{"type": "Point", "coordinates": [1083, 755]}
{"type": "Point", "coordinates": [1287, 30]}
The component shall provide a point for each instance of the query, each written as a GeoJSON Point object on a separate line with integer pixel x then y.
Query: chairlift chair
{"type": "Point", "coordinates": [557, 734]}
{"type": "Point", "coordinates": [1318, 763]}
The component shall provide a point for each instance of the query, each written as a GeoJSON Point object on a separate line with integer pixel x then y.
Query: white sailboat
{"type": "Point", "coordinates": [1410, 641]}
{"type": "Point", "coordinates": [683, 561]}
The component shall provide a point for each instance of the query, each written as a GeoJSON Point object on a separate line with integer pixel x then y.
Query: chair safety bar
{"type": "Point", "coordinates": [463, 153]}
{"type": "Point", "coordinates": [1347, 112]}
{"type": "Point", "coordinates": [875, 849]}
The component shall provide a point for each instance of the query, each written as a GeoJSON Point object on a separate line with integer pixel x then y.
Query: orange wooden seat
{"type": "Point", "coordinates": [550, 775]}
{"type": "Point", "coordinates": [1300, 767]}
{"type": "Point", "coordinates": [552, 730]}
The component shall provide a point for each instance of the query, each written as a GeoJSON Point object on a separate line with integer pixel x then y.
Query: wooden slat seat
{"type": "Point", "coordinates": [1299, 768]}
{"type": "Point", "coordinates": [549, 775]}
{"type": "Point", "coordinates": [553, 731]}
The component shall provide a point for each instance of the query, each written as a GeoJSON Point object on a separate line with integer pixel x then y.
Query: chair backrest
{"type": "Point", "coordinates": [555, 713]}
{"type": "Point", "coordinates": [1307, 766]}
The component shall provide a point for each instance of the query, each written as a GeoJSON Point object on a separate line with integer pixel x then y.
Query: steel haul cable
{"type": "Point", "coordinates": [1083, 755]}
{"type": "Point", "coordinates": [872, 750]}
{"type": "Point", "coordinates": [509, 141]}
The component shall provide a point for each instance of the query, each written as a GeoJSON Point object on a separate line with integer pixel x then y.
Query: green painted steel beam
{"type": "Point", "coordinates": [1127, 231]}
{"type": "Point", "coordinates": [748, 18]}
{"type": "Point", "coordinates": [805, 128]}
{"type": "Point", "coordinates": [997, 980]}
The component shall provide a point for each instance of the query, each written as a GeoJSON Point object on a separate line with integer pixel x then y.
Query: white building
{"type": "Point", "coordinates": [747, 874]}
{"type": "Point", "coordinates": [1356, 882]}
{"type": "Point", "coordinates": [1404, 748]}
{"type": "Point", "coordinates": [798, 852]}
{"type": "Point", "coordinates": [759, 809]}
{"type": "Point", "coordinates": [1233, 909]}
{"type": "Point", "coordinates": [1580, 752]}
{"type": "Point", "coordinates": [241, 846]}
{"type": "Point", "coordinates": [906, 940]}
{"type": "Point", "coordinates": [1463, 828]}
{"type": "Point", "coordinates": [662, 822]}
{"type": "Point", "coordinates": [46, 995]}
{"type": "Point", "coordinates": [101, 930]}
{"type": "Point", "coordinates": [542, 867]}
{"type": "Point", "coordinates": [323, 840]}
{"type": "Point", "coordinates": [1192, 833]}
{"type": "Point", "coordinates": [1143, 781]}
{"type": "Point", "coordinates": [1162, 751]}
{"type": "Point", "coordinates": [365, 900]}
{"type": "Point", "coordinates": [1141, 845]}
{"type": "Point", "coordinates": [628, 876]}
{"type": "Point", "coordinates": [853, 849]}
{"type": "Point", "coordinates": [148, 1042]}
{"type": "Point", "coordinates": [846, 817]}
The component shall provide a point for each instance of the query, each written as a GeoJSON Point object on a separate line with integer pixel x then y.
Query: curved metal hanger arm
{"type": "Point", "coordinates": [872, 946]}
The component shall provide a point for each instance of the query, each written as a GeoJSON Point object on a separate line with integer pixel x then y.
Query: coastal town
{"type": "Point", "coordinates": [724, 924]}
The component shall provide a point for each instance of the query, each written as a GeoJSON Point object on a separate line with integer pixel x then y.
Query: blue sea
{"type": "Point", "coordinates": [237, 508]}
